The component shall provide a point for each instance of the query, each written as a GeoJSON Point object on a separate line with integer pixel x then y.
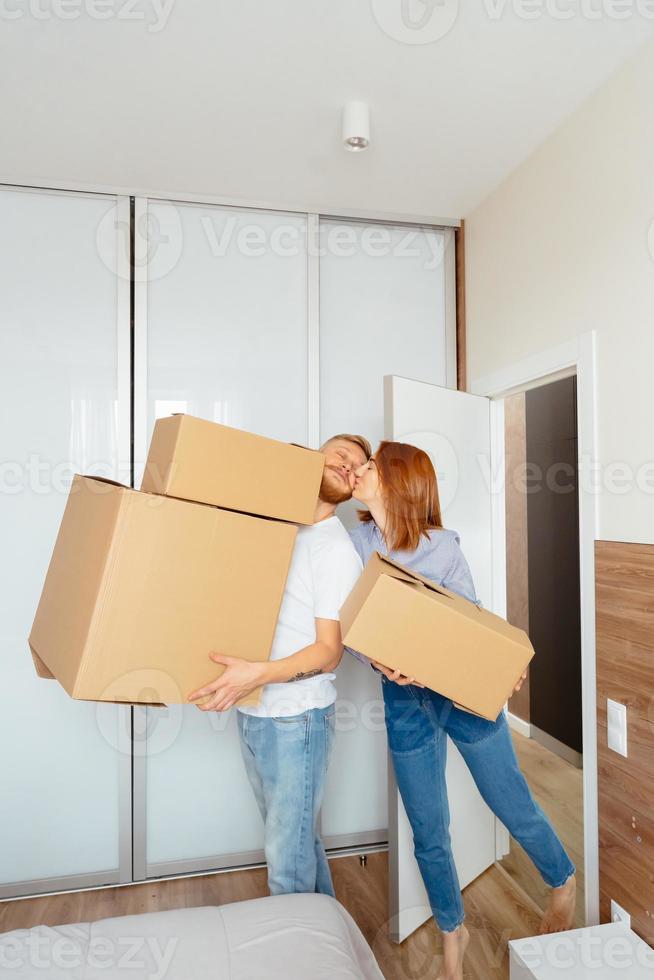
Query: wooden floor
{"type": "Point", "coordinates": [504, 903]}
{"type": "Point", "coordinates": [557, 786]}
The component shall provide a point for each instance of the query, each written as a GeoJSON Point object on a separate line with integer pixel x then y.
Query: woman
{"type": "Point", "coordinates": [398, 486]}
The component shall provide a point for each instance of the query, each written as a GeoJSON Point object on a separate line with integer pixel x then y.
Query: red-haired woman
{"type": "Point", "coordinates": [398, 486]}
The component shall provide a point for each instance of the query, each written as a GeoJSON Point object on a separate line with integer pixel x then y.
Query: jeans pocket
{"type": "Point", "coordinates": [291, 723]}
{"type": "Point", "coordinates": [408, 725]}
{"type": "Point", "coordinates": [330, 734]}
{"type": "Point", "coordinates": [470, 729]}
{"type": "Point", "coordinates": [415, 693]}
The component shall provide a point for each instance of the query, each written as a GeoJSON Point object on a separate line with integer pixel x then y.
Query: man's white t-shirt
{"type": "Point", "coordinates": [324, 568]}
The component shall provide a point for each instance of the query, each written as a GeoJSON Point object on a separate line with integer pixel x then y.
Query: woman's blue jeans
{"type": "Point", "coordinates": [418, 722]}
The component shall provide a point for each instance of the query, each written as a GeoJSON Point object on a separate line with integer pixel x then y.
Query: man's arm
{"type": "Point", "coordinates": [320, 657]}
{"type": "Point", "coordinates": [241, 677]}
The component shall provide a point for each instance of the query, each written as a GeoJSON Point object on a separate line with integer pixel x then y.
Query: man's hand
{"type": "Point", "coordinates": [240, 678]}
{"type": "Point", "coordinates": [396, 676]}
{"type": "Point", "coordinates": [520, 683]}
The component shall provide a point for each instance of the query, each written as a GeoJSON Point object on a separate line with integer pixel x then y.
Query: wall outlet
{"type": "Point", "coordinates": [616, 715]}
{"type": "Point", "coordinates": [618, 914]}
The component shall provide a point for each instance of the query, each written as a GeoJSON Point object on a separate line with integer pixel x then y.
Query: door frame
{"type": "Point", "coordinates": [576, 357]}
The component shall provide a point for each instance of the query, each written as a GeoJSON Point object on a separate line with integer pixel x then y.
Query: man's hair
{"type": "Point", "coordinates": [359, 441]}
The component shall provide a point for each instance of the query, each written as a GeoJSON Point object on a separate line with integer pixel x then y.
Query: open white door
{"type": "Point", "coordinates": [454, 428]}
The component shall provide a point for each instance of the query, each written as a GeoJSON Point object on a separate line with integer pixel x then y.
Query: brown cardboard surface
{"type": "Point", "coordinates": [141, 588]}
{"type": "Point", "coordinates": [409, 623]}
{"type": "Point", "coordinates": [195, 459]}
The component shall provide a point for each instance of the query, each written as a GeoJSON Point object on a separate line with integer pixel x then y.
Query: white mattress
{"type": "Point", "coordinates": [285, 937]}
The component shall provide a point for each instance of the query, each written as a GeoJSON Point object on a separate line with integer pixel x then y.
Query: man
{"type": "Point", "coordinates": [286, 740]}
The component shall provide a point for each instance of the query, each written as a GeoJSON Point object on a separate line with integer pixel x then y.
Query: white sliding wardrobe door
{"type": "Point", "coordinates": [64, 407]}
{"type": "Point", "coordinates": [384, 293]}
{"type": "Point", "coordinates": [225, 338]}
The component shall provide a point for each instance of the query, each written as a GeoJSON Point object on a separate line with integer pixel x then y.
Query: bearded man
{"type": "Point", "coordinates": [286, 739]}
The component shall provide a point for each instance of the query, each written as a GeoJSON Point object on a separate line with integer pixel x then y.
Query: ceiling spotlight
{"type": "Point", "coordinates": [356, 126]}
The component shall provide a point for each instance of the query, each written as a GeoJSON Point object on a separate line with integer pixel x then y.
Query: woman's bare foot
{"type": "Point", "coordinates": [560, 913]}
{"type": "Point", "coordinates": [454, 949]}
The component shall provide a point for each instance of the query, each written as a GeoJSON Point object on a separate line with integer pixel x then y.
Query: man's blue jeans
{"type": "Point", "coordinates": [418, 722]}
{"type": "Point", "coordinates": [286, 761]}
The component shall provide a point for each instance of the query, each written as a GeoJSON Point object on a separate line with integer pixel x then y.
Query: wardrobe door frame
{"type": "Point", "coordinates": [123, 873]}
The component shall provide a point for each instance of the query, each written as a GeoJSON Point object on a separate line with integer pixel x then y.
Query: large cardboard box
{"type": "Point", "coordinates": [405, 621]}
{"type": "Point", "coordinates": [141, 588]}
{"type": "Point", "coordinates": [195, 459]}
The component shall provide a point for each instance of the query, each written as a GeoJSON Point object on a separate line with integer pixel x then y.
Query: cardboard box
{"type": "Point", "coordinates": [450, 645]}
{"type": "Point", "coordinates": [141, 588]}
{"type": "Point", "coordinates": [194, 459]}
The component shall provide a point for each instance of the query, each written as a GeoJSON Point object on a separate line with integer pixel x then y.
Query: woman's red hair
{"type": "Point", "coordinates": [410, 492]}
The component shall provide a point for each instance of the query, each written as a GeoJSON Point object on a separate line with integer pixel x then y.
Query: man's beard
{"type": "Point", "coordinates": [334, 491]}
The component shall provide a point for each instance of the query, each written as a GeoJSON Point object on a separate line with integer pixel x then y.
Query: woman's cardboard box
{"type": "Point", "coordinates": [405, 621]}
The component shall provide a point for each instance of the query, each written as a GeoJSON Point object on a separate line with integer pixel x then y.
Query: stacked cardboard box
{"type": "Point", "coordinates": [142, 585]}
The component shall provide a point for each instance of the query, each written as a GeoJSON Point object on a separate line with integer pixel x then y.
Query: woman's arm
{"type": "Point", "coordinates": [459, 577]}
{"type": "Point", "coordinates": [241, 677]}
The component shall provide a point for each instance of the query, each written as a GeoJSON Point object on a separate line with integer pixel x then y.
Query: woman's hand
{"type": "Point", "coordinates": [395, 675]}
{"type": "Point", "coordinates": [520, 683]}
{"type": "Point", "coordinates": [239, 679]}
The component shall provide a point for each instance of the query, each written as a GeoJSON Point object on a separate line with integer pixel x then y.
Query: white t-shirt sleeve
{"type": "Point", "coordinates": [335, 568]}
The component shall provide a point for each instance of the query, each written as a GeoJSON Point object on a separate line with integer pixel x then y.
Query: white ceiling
{"type": "Point", "coordinates": [242, 99]}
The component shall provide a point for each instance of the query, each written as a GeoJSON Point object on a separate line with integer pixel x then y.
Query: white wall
{"type": "Point", "coordinates": [560, 248]}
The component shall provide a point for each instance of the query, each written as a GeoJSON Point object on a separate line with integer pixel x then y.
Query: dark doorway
{"type": "Point", "coordinates": [553, 561]}
{"type": "Point", "coordinates": [543, 594]}
{"type": "Point", "coordinates": [543, 598]}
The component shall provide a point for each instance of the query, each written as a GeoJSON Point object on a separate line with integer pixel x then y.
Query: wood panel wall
{"type": "Point", "coordinates": [625, 673]}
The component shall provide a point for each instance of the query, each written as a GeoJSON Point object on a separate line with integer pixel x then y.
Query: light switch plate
{"type": "Point", "coordinates": [618, 914]}
{"type": "Point", "coordinates": [616, 714]}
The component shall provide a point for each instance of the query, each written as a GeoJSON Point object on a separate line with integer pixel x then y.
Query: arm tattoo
{"type": "Point", "coordinates": [303, 676]}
